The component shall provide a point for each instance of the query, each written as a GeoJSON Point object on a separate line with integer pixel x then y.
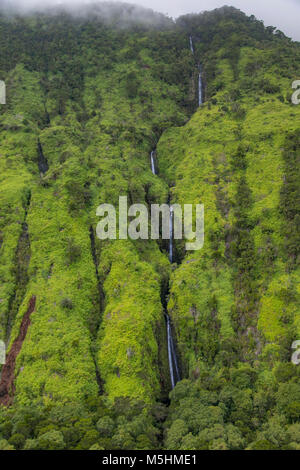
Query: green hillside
{"type": "Point", "coordinates": [88, 99]}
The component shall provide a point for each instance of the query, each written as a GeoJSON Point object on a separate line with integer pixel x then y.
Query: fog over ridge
{"type": "Point", "coordinates": [283, 14]}
{"type": "Point", "coordinates": [121, 14]}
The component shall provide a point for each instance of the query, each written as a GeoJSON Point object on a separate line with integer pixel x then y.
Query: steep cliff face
{"type": "Point", "coordinates": [87, 102]}
{"type": "Point", "coordinates": [232, 156]}
{"type": "Point", "coordinates": [235, 303]}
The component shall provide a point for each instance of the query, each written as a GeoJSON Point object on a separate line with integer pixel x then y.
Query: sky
{"type": "Point", "coordinates": [284, 14]}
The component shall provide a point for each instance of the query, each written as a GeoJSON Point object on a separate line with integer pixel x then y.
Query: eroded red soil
{"type": "Point", "coordinates": [7, 386]}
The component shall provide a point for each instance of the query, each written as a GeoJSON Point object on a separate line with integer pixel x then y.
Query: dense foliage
{"type": "Point", "coordinates": [87, 100]}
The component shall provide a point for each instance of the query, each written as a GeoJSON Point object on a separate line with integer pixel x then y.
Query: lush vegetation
{"type": "Point", "coordinates": [87, 100]}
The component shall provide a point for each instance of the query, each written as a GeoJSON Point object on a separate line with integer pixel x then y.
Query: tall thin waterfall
{"type": "Point", "coordinates": [153, 162]}
{"type": "Point", "coordinates": [170, 354]}
{"type": "Point", "coordinates": [171, 234]}
{"type": "Point", "coordinates": [175, 359]}
{"type": "Point", "coordinates": [200, 81]}
{"type": "Point", "coordinates": [200, 100]}
{"type": "Point", "coordinates": [173, 363]}
{"type": "Point", "coordinates": [191, 44]}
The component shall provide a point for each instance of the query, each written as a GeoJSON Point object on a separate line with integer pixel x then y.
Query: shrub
{"type": "Point", "coordinates": [66, 303]}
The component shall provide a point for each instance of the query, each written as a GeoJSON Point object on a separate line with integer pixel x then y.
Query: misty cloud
{"type": "Point", "coordinates": [284, 14]}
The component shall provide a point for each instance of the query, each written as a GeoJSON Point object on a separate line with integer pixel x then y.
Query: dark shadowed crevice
{"type": "Point", "coordinates": [95, 323]}
{"type": "Point", "coordinates": [42, 161]}
{"type": "Point", "coordinates": [244, 261]}
{"type": "Point", "coordinates": [22, 259]}
{"type": "Point", "coordinates": [94, 255]}
{"type": "Point", "coordinates": [7, 385]}
{"type": "Point", "coordinates": [170, 248]}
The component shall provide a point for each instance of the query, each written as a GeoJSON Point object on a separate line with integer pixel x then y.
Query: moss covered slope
{"type": "Point", "coordinates": [87, 101]}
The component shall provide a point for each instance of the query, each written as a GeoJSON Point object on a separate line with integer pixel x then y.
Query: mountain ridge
{"type": "Point", "coordinates": [95, 101]}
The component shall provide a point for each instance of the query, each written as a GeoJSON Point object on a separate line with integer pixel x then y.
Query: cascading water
{"type": "Point", "coordinates": [191, 45]}
{"type": "Point", "coordinates": [173, 363]}
{"type": "Point", "coordinates": [171, 235]}
{"type": "Point", "coordinates": [200, 81]}
{"type": "Point", "coordinates": [152, 162]}
{"type": "Point", "coordinates": [200, 101]}
{"type": "Point", "coordinates": [177, 377]}
{"type": "Point", "coordinates": [170, 355]}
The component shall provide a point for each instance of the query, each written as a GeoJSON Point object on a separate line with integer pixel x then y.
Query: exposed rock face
{"type": "Point", "coordinates": [7, 387]}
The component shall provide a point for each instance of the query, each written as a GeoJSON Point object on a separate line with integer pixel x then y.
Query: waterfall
{"type": "Point", "coordinates": [191, 44]}
{"type": "Point", "coordinates": [173, 364]}
{"type": "Point", "coordinates": [175, 376]}
{"type": "Point", "coordinates": [153, 162]}
{"type": "Point", "coordinates": [170, 353]}
{"type": "Point", "coordinates": [200, 86]}
{"type": "Point", "coordinates": [175, 359]}
{"type": "Point", "coordinates": [171, 235]}
{"type": "Point", "coordinates": [172, 358]}
{"type": "Point", "coordinates": [200, 82]}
